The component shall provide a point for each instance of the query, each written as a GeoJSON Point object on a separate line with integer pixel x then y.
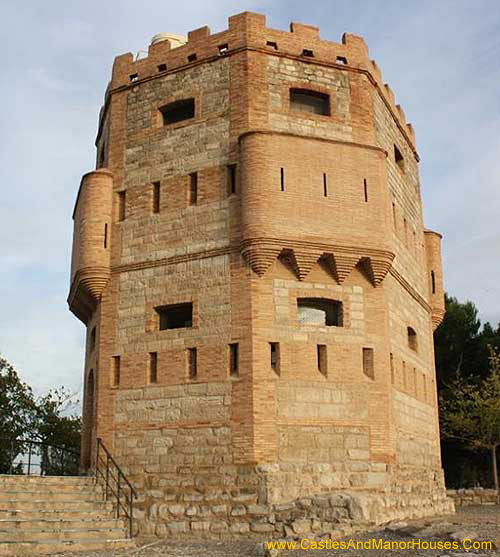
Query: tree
{"type": "Point", "coordinates": [472, 413]}
{"type": "Point", "coordinates": [17, 414]}
{"type": "Point", "coordinates": [49, 419]}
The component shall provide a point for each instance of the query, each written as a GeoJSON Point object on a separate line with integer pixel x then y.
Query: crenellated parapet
{"type": "Point", "coordinates": [90, 265]}
{"type": "Point", "coordinates": [248, 31]}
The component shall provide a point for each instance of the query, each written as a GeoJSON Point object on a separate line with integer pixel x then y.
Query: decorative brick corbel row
{"type": "Point", "coordinates": [260, 254]}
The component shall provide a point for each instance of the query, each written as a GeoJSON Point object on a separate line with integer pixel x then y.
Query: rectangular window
{"type": "Point", "coordinates": [162, 67]}
{"type": "Point", "coordinates": [153, 367]}
{"type": "Point", "coordinates": [392, 368]}
{"type": "Point", "coordinates": [231, 179]}
{"type": "Point", "coordinates": [122, 199]}
{"type": "Point", "coordinates": [368, 364]}
{"type": "Point", "coordinates": [193, 188]}
{"type": "Point", "coordinates": [325, 185]}
{"type": "Point", "coordinates": [177, 111]}
{"type": "Point", "coordinates": [234, 360]}
{"type": "Point", "coordinates": [105, 242]}
{"type": "Point", "coordinates": [341, 60]}
{"type": "Point", "coordinates": [272, 44]}
{"type": "Point", "coordinates": [365, 187]}
{"type": "Point", "coordinates": [275, 357]}
{"type": "Point", "coordinates": [133, 77]}
{"type": "Point", "coordinates": [115, 378]}
{"type": "Point", "coordinates": [312, 102]}
{"type": "Point", "coordinates": [192, 363]}
{"type": "Point", "coordinates": [398, 158]}
{"type": "Point", "coordinates": [282, 178]}
{"type": "Point", "coordinates": [176, 316]}
{"type": "Point", "coordinates": [433, 282]}
{"type": "Point", "coordinates": [223, 48]}
{"type": "Point", "coordinates": [192, 57]}
{"type": "Point", "coordinates": [156, 197]}
{"type": "Point", "coordinates": [321, 356]}
{"type": "Point", "coordinates": [307, 53]}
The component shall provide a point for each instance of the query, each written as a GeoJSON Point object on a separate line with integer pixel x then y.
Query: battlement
{"type": "Point", "coordinates": [248, 31]}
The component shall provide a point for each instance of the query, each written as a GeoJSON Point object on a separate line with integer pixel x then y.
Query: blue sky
{"type": "Point", "coordinates": [442, 59]}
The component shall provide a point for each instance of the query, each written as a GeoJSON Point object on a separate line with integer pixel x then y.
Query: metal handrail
{"type": "Point", "coordinates": [30, 443]}
{"type": "Point", "coordinates": [113, 472]}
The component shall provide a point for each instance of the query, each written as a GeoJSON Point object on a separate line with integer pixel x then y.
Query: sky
{"type": "Point", "coordinates": [440, 57]}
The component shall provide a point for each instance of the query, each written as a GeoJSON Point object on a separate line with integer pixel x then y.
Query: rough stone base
{"type": "Point", "coordinates": [248, 512]}
{"type": "Point", "coordinates": [474, 496]}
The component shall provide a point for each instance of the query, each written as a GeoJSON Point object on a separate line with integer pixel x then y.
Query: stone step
{"type": "Point", "coordinates": [55, 524]}
{"type": "Point", "coordinates": [60, 481]}
{"type": "Point", "coordinates": [7, 536]}
{"type": "Point", "coordinates": [86, 494]}
{"type": "Point", "coordinates": [49, 547]}
{"type": "Point", "coordinates": [73, 487]}
{"type": "Point", "coordinates": [43, 514]}
{"type": "Point", "coordinates": [62, 505]}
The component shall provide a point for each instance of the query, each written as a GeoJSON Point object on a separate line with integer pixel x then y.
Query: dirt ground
{"type": "Point", "coordinates": [476, 523]}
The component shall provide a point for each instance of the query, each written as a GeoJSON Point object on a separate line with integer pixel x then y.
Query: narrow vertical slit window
{"type": "Point", "coordinates": [122, 198]}
{"type": "Point", "coordinates": [392, 368]}
{"type": "Point", "coordinates": [231, 179]}
{"type": "Point", "coordinates": [234, 362]}
{"type": "Point", "coordinates": [368, 363]}
{"type": "Point", "coordinates": [282, 178]}
{"type": "Point", "coordinates": [105, 242]}
{"type": "Point", "coordinates": [365, 189]}
{"type": "Point", "coordinates": [115, 378]}
{"type": "Point", "coordinates": [275, 357]}
{"type": "Point", "coordinates": [192, 363]}
{"type": "Point", "coordinates": [321, 358]}
{"type": "Point", "coordinates": [156, 197]}
{"type": "Point", "coordinates": [433, 282]}
{"type": "Point", "coordinates": [325, 185]}
{"type": "Point", "coordinates": [153, 367]}
{"type": "Point", "coordinates": [193, 188]}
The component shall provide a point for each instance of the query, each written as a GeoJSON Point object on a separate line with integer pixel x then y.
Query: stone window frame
{"type": "Point", "coordinates": [313, 88]}
{"type": "Point", "coordinates": [157, 116]}
{"type": "Point", "coordinates": [325, 293]}
{"type": "Point", "coordinates": [152, 318]}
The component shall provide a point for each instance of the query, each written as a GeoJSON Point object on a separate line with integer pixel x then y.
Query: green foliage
{"type": "Point", "coordinates": [47, 419]}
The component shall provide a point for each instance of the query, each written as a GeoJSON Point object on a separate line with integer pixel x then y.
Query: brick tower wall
{"type": "Point", "coordinates": [324, 207]}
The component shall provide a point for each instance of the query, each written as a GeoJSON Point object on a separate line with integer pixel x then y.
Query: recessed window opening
{"type": "Point", "coordinates": [192, 57]}
{"type": "Point", "coordinates": [231, 179]}
{"type": "Point", "coordinates": [341, 60]}
{"type": "Point", "coordinates": [368, 363]}
{"type": "Point", "coordinates": [156, 197]}
{"type": "Point", "coordinates": [272, 44]}
{"type": "Point", "coordinates": [282, 179]}
{"type": "Point", "coordinates": [153, 367]}
{"type": "Point", "coordinates": [192, 363]}
{"type": "Point", "coordinates": [223, 48]}
{"type": "Point", "coordinates": [412, 338]}
{"type": "Point", "coordinates": [398, 157]}
{"type": "Point", "coordinates": [319, 311]}
{"type": "Point", "coordinates": [177, 111]}
{"type": "Point", "coordinates": [92, 339]}
{"type": "Point", "coordinates": [162, 67]}
{"type": "Point", "coordinates": [121, 205]}
{"type": "Point", "coordinates": [176, 316]}
{"type": "Point", "coordinates": [325, 185]}
{"type": "Point", "coordinates": [308, 53]}
{"type": "Point", "coordinates": [193, 188]}
{"type": "Point", "coordinates": [275, 356]}
{"type": "Point", "coordinates": [321, 358]}
{"type": "Point", "coordinates": [116, 371]}
{"type": "Point", "coordinates": [310, 102]}
{"type": "Point", "coordinates": [392, 368]}
{"type": "Point", "coordinates": [365, 188]}
{"type": "Point", "coordinates": [133, 77]}
{"type": "Point", "coordinates": [234, 359]}
{"type": "Point", "coordinates": [433, 282]}
{"type": "Point", "coordinates": [105, 242]}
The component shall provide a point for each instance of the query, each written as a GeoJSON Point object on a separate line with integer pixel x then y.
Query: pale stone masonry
{"type": "Point", "coordinates": [258, 287]}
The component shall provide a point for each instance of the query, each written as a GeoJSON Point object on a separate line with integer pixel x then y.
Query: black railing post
{"type": "Point", "coordinates": [130, 511]}
{"type": "Point", "coordinates": [107, 475]}
{"type": "Point", "coordinates": [118, 497]}
{"type": "Point", "coordinates": [29, 458]}
{"type": "Point", "coordinates": [97, 459]}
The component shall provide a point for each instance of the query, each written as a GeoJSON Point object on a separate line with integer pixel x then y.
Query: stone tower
{"type": "Point", "coordinates": [258, 287]}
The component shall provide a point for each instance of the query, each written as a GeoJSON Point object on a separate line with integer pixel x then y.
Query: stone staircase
{"type": "Point", "coordinates": [53, 514]}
